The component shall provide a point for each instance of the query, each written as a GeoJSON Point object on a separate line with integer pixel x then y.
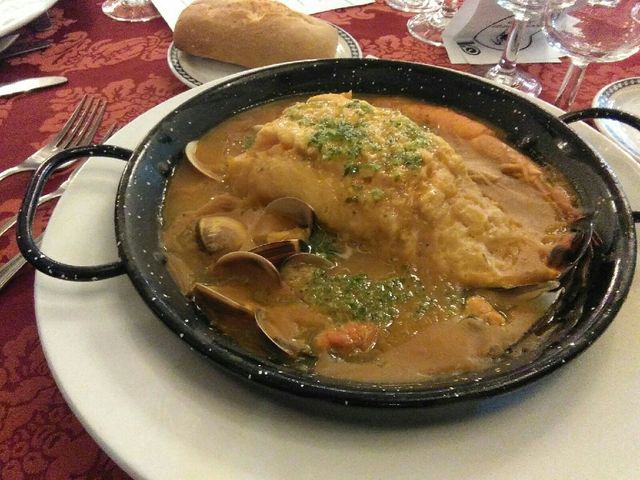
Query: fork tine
{"type": "Point", "coordinates": [89, 131]}
{"type": "Point", "coordinates": [112, 129]}
{"type": "Point", "coordinates": [78, 123]}
{"type": "Point", "coordinates": [83, 124]}
{"type": "Point", "coordinates": [70, 122]}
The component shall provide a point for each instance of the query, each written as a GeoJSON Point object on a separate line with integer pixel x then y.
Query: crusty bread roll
{"type": "Point", "coordinates": [252, 33]}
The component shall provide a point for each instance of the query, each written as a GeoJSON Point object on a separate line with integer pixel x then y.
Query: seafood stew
{"type": "Point", "coordinates": [594, 276]}
{"type": "Point", "coordinates": [367, 238]}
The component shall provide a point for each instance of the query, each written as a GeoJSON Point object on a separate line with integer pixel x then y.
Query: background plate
{"type": "Point", "coordinates": [163, 411]}
{"type": "Point", "coordinates": [194, 71]}
{"type": "Point", "coordinates": [17, 13]}
{"type": "Point", "coordinates": [622, 95]}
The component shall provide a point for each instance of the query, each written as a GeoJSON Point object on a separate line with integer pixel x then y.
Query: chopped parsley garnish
{"type": "Point", "coordinates": [358, 297]}
{"type": "Point", "coordinates": [365, 139]}
{"type": "Point", "coordinates": [338, 139]}
{"type": "Point", "coordinates": [323, 243]}
{"type": "Point", "coordinates": [248, 141]}
{"type": "Point", "coordinates": [359, 105]}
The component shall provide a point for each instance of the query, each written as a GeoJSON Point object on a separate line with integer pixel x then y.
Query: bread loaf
{"type": "Point", "coordinates": [252, 33]}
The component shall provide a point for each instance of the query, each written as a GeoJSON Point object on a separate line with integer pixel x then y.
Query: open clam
{"type": "Point", "coordinates": [247, 267]}
{"type": "Point", "coordinates": [284, 218]}
{"type": "Point", "coordinates": [221, 234]}
{"type": "Point", "coordinates": [248, 282]}
{"type": "Point", "coordinates": [279, 252]}
{"type": "Point", "coordinates": [204, 168]}
{"type": "Point", "coordinates": [296, 268]}
{"type": "Point", "coordinates": [242, 275]}
{"type": "Point", "coordinates": [280, 230]}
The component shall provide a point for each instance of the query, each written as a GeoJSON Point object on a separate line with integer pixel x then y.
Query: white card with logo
{"type": "Point", "coordinates": [477, 34]}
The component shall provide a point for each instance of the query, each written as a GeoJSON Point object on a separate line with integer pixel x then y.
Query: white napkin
{"type": "Point", "coordinates": [171, 9]}
{"type": "Point", "coordinates": [477, 35]}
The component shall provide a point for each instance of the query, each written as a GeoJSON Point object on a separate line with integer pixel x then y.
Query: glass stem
{"type": "Point", "coordinates": [508, 59]}
{"type": "Point", "coordinates": [446, 12]}
{"type": "Point", "coordinates": [449, 8]}
{"type": "Point", "coordinates": [570, 85]}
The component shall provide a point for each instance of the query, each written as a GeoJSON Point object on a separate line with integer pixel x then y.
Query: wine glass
{"type": "Point", "coordinates": [130, 10]}
{"type": "Point", "coordinates": [414, 5]}
{"type": "Point", "coordinates": [590, 31]}
{"type": "Point", "coordinates": [505, 71]}
{"type": "Point", "coordinates": [427, 27]}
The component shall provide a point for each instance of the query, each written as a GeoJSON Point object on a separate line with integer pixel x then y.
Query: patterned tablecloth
{"type": "Point", "coordinates": [126, 64]}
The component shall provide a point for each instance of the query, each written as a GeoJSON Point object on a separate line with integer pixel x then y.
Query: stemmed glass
{"type": "Point", "coordinates": [414, 5]}
{"type": "Point", "coordinates": [130, 10]}
{"type": "Point", "coordinates": [590, 31]}
{"type": "Point", "coordinates": [505, 71]}
{"type": "Point", "coordinates": [427, 27]}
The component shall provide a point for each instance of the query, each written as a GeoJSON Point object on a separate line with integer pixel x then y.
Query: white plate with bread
{"type": "Point", "coordinates": [216, 38]}
{"type": "Point", "coordinates": [194, 71]}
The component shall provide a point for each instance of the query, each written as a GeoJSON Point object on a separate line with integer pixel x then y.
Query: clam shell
{"type": "Point", "coordinates": [221, 234]}
{"type": "Point", "coordinates": [221, 301]}
{"type": "Point", "coordinates": [285, 216]}
{"type": "Point", "coordinates": [279, 252]}
{"type": "Point", "coordinates": [190, 153]}
{"type": "Point", "coordinates": [249, 267]}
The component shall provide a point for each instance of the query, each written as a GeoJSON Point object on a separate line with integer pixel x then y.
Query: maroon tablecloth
{"type": "Point", "coordinates": [126, 64]}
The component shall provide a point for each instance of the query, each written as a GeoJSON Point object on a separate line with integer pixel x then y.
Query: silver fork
{"type": "Point", "coordinates": [13, 266]}
{"type": "Point", "coordinates": [78, 131]}
{"type": "Point", "coordinates": [4, 228]}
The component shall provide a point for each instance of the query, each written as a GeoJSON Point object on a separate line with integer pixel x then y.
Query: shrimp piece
{"type": "Point", "coordinates": [485, 141]}
{"type": "Point", "coordinates": [560, 197]}
{"type": "Point", "coordinates": [347, 339]}
{"type": "Point", "coordinates": [444, 119]}
{"type": "Point", "coordinates": [517, 165]}
{"type": "Point", "coordinates": [511, 162]}
{"type": "Point", "coordinates": [441, 119]}
{"type": "Point", "coordinates": [478, 307]}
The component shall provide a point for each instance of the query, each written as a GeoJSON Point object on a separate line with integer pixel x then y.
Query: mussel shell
{"type": "Point", "coordinates": [564, 257]}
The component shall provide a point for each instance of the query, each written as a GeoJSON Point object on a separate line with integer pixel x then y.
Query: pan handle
{"type": "Point", "coordinates": [610, 114]}
{"type": "Point", "coordinates": [26, 243]}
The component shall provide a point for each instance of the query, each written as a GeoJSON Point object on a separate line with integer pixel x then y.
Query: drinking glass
{"type": "Point", "coordinates": [506, 71]}
{"type": "Point", "coordinates": [414, 5]}
{"type": "Point", "coordinates": [427, 27]}
{"type": "Point", "coordinates": [130, 10]}
{"type": "Point", "coordinates": [590, 31]}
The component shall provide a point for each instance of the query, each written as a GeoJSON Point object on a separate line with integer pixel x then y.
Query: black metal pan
{"type": "Point", "coordinates": [592, 297]}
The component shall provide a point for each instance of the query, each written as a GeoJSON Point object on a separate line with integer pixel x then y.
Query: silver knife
{"type": "Point", "coordinates": [7, 41]}
{"type": "Point", "coordinates": [20, 48]}
{"type": "Point", "coordinates": [29, 84]}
